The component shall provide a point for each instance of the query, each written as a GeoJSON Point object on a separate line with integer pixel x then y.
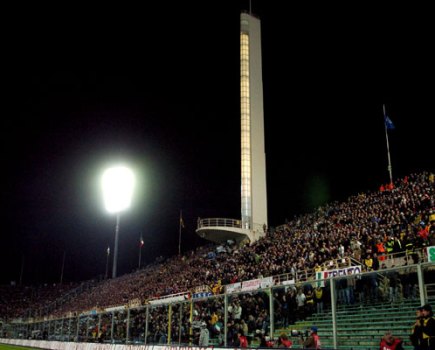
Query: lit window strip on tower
{"type": "Point", "coordinates": [245, 131]}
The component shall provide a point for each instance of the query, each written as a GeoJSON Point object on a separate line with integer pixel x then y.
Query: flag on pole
{"type": "Point", "coordinates": [388, 123]}
{"type": "Point", "coordinates": [388, 126]}
{"type": "Point", "coordinates": [181, 221]}
{"type": "Point", "coordinates": [179, 232]}
{"type": "Point", "coordinates": [141, 242]}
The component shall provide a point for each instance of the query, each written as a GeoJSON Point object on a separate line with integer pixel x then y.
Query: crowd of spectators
{"type": "Point", "coordinates": [16, 300]}
{"type": "Point", "coordinates": [367, 227]}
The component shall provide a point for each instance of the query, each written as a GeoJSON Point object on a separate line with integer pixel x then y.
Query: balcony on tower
{"type": "Point", "coordinates": [220, 230]}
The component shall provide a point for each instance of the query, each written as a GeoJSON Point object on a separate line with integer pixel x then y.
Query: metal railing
{"type": "Point", "coordinates": [222, 222]}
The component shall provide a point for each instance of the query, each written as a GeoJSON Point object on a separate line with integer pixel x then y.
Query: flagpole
{"type": "Point", "coordinates": [390, 169]}
{"type": "Point", "coordinates": [179, 233]}
{"type": "Point", "coordinates": [140, 250]}
{"type": "Point", "coordinates": [63, 266]}
{"type": "Point", "coordinates": [22, 269]}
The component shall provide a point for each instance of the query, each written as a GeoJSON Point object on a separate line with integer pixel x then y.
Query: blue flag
{"type": "Point", "coordinates": [388, 123]}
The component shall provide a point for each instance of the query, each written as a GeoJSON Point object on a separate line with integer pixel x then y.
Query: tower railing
{"type": "Point", "coordinates": [222, 222]}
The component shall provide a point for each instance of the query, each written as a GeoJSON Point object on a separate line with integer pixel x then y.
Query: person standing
{"type": "Point", "coordinates": [427, 336]}
{"type": "Point", "coordinates": [313, 340]}
{"type": "Point", "coordinates": [204, 336]}
{"type": "Point", "coordinates": [300, 302]}
{"type": "Point", "coordinates": [318, 298]}
{"type": "Point", "coordinates": [416, 329]}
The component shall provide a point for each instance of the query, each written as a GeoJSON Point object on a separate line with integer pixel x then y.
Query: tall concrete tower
{"type": "Point", "coordinates": [253, 167]}
{"type": "Point", "coordinates": [253, 157]}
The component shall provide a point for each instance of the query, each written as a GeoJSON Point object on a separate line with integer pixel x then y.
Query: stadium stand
{"type": "Point", "coordinates": [385, 232]}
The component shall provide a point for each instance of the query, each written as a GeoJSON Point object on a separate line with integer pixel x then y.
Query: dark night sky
{"type": "Point", "coordinates": [158, 87]}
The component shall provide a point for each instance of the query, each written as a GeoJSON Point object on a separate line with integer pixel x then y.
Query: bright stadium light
{"type": "Point", "coordinates": [118, 184]}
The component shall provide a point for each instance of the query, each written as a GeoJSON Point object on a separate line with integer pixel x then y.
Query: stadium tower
{"type": "Point", "coordinates": [253, 159]}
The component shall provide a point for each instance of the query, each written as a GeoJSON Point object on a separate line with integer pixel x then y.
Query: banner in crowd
{"type": "Point", "coordinates": [136, 302]}
{"type": "Point", "coordinates": [251, 285]}
{"type": "Point", "coordinates": [201, 295]}
{"type": "Point", "coordinates": [233, 288]}
{"type": "Point", "coordinates": [110, 309]}
{"type": "Point", "coordinates": [267, 282]}
{"type": "Point", "coordinates": [170, 299]}
{"type": "Point", "coordinates": [288, 282]}
{"type": "Point", "coordinates": [345, 271]}
{"type": "Point", "coordinates": [201, 289]}
{"type": "Point", "coordinates": [431, 254]}
{"type": "Point", "coordinates": [259, 283]}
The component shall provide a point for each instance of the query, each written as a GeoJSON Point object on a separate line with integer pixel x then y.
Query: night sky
{"type": "Point", "coordinates": [158, 88]}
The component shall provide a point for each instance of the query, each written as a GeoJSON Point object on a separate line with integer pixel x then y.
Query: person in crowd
{"type": "Point", "coordinates": [313, 340]}
{"type": "Point", "coordinates": [204, 335]}
{"type": "Point", "coordinates": [416, 329]}
{"type": "Point", "coordinates": [300, 302]}
{"type": "Point", "coordinates": [263, 340]}
{"type": "Point", "coordinates": [309, 302]}
{"type": "Point", "coordinates": [389, 342]}
{"type": "Point", "coordinates": [375, 262]}
{"type": "Point", "coordinates": [318, 298]}
{"type": "Point", "coordinates": [284, 341]}
{"type": "Point", "coordinates": [427, 334]}
{"type": "Point", "coordinates": [243, 340]}
{"type": "Point", "coordinates": [368, 262]}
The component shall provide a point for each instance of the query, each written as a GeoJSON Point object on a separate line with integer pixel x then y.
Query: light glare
{"type": "Point", "coordinates": [118, 183]}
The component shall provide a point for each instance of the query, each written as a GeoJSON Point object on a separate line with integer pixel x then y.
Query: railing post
{"type": "Point", "coordinates": [271, 313]}
{"type": "Point", "coordinates": [147, 314]}
{"type": "Point", "coordinates": [333, 312]}
{"type": "Point", "coordinates": [99, 325]}
{"type": "Point", "coordinates": [180, 320]}
{"type": "Point", "coordinates": [78, 329]}
{"type": "Point", "coordinates": [169, 324]}
{"type": "Point", "coordinates": [421, 285]}
{"type": "Point", "coordinates": [127, 332]}
{"type": "Point", "coordinates": [112, 327]}
{"type": "Point", "coordinates": [69, 329]}
{"type": "Point", "coordinates": [225, 318]}
{"type": "Point", "coordinates": [61, 329]}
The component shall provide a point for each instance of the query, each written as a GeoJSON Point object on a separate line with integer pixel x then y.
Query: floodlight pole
{"type": "Point", "coordinates": [118, 183]}
{"type": "Point", "coordinates": [115, 252]}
